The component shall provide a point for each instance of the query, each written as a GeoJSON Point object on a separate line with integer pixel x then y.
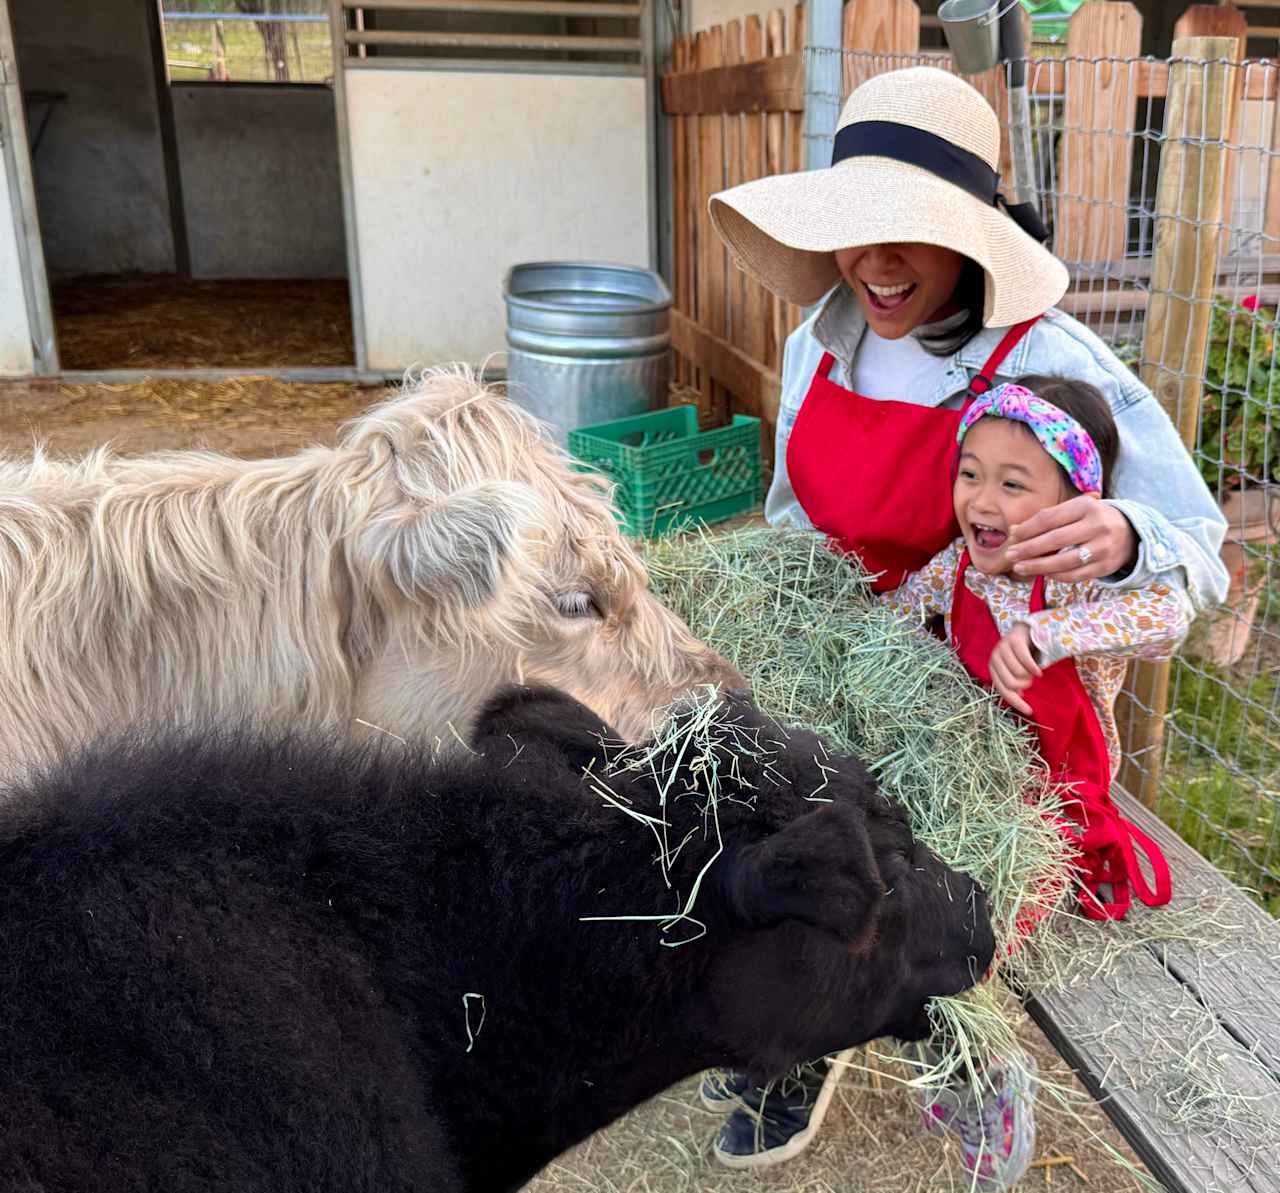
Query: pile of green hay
{"type": "Point", "coordinates": [805, 629]}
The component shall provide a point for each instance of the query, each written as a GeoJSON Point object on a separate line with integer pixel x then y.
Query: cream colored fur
{"type": "Point", "coordinates": [393, 580]}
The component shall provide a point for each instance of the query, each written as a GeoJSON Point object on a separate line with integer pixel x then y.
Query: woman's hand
{"type": "Point", "coordinates": [1099, 536]}
{"type": "Point", "coordinates": [1013, 667]}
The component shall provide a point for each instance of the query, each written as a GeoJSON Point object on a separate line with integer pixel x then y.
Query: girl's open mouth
{"type": "Point", "coordinates": [988, 537]}
{"type": "Point", "coordinates": [887, 299]}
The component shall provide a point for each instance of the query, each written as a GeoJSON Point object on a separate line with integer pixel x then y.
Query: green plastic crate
{"type": "Point", "coordinates": [670, 474]}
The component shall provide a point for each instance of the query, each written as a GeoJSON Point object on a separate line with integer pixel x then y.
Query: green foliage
{"type": "Point", "coordinates": [1239, 438]}
{"type": "Point", "coordinates": [1221, 782]}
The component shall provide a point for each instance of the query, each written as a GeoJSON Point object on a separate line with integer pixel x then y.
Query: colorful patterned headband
{"type": "Point", "coordinates": [1059, 434]}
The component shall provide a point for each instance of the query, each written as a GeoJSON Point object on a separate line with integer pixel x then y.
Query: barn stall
{"type": "Point", "coordinates": [335, 217]}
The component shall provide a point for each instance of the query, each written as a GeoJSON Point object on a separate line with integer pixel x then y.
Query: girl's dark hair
{"type": "Point", "coordinates": [1090, 409]}
{"type": "Point", "coordinates": [970, 296]}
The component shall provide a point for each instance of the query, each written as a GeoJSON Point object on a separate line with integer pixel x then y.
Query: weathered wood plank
{"type": "Point", "coordinates": [733, 155]}
{"type": "Point", "coordinates": [792, 315]}
{"type": "Point", "coordinates": [775, 163]}
{"type": "Point", "coordinates": [681, 181]}
{"type": "Point", "coordinates": [756, 389]}
{"type": "Point", "coordinates": [711, 250]}
{"type": "Point", "coordinates": [1237, 977]}
{"type": "Point", "coordinates": [766, 85]}
{"type": "Point", "coordinates": [755, 335]}
{"type": "Point", "coordinates": [1165, 1001]}
{"type": "Point", "coordinates": [1096, 149]}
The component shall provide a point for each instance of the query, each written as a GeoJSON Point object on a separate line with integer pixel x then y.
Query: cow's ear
{"type": "Point", "coordinates": [456, 548]}
{"type": "Point", "coordinates": [819, 869]}
{"type": "Point", "coordinates": [520, 716]}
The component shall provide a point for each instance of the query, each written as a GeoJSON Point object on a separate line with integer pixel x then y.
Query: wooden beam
{"type": "Point", "coordinates": [494, 41]}
{"type": "Point", "coordinates": [1150, 79]}
{"type": "Point", "coordinates": [756, 388]}
{"type": "Point", "coordinates": [536, 8]}
{"type": "Point", "coordinates": [766, 85]}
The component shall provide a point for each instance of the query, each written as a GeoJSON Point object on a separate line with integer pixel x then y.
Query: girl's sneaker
{"type": "Point", "coordinates": [722, 1089]}
{"type": "Point", "coordinates": [996, 1124]}
{"type": "Point", "coordinates": [773, 1123]}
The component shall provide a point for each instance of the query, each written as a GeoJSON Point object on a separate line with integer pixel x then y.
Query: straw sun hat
{"type": "Point", "coordinates": [916, 158]}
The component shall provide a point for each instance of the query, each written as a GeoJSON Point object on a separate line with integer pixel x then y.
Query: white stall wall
{"type": "Point", "coordinates": [99, 169]}
{"type": "Point", "coordinates": [15, 334]}
{"type": "Point", "coordinates": [260, 181]}
{"type": "Point", "coordinates": [458, 176]}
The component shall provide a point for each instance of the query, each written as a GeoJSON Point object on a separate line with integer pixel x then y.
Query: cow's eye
{"type": "Point", "coordinates": [577, 604]}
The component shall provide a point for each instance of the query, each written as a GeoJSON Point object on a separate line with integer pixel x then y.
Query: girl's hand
{"type": "Point", "coordinates": [1099, 536]}
{"type": "Point", "coordinates": [1013, 667]}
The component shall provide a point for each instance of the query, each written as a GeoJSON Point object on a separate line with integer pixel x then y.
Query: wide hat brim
{"type": "Point", "coordinates": [785, 229]}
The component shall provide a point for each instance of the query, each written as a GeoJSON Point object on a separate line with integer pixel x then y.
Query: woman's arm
{"type": "Point", "coordinates": [800, 357]}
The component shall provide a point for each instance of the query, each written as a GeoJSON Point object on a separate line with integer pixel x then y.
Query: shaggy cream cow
{"type": "Point", "coordinates": [442, 548]}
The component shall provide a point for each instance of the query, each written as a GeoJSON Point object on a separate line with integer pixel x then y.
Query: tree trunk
{"type": "Point", "coordinates": [273, 40]}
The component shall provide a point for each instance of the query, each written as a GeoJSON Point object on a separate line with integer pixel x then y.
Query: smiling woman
{"type": "Point", "coordinates": [902, 286]}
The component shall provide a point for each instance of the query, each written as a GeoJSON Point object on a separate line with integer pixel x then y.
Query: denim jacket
{"type": "Point", "coordinates": [1155, 484]}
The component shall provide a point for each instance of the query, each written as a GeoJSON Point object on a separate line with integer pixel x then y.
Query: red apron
{"type": "Point", "coordinates": [876, 476]}
{"type": "Point", "coordinates": [1074, 749]}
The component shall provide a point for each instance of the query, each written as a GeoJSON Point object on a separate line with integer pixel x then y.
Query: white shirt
{"type": "Point", "coordinates": [893, 368]}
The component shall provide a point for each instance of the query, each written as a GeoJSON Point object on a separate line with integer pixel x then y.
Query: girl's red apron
{"type": "Point", "coordinates": [1075, 751]}
{"type": "Point", "coordinates": [876, 477]}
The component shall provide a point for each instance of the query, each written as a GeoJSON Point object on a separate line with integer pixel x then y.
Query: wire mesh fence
{"type": "Point", "coordinates": [270, 41]}
{"type": "Point", "coordinates": [1160, 184]}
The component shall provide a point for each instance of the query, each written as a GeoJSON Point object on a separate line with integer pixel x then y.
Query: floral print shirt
{"type": "Point", "coordinates": [1101, 627]}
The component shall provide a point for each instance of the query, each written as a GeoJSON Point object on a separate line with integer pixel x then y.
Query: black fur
{"type": "Point", "coordinates": [229, 963]}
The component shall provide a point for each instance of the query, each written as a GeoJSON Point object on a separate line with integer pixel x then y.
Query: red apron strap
{"type": "Point", "coordinates": [986, 376]}
{"type": "Point", "coordinates": [824, 365]}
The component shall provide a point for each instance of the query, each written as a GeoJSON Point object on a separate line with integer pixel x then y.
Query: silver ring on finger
{"type": "Point", "coordinates": [1085, 555]}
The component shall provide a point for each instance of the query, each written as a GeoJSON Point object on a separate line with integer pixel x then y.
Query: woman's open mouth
{"type": "Point", "coordinates": [887, 299]}
{"type": "Point", "coordinates": [988, 538]}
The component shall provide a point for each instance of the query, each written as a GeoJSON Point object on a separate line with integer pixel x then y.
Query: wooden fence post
{"type": "Point", "coordinates": [1096, 151]}
{"type": "Point", "coordinates": [1222, 21]}
{"type": "Point", "coordinates": [1198, 116]}
{"type": "Point", "coordinates": [888, 29]}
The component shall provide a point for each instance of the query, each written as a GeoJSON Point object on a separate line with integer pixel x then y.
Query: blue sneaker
{"type": "Point", "coordinates": [722, 1089]}
{"type": "Point", "coordinates": [777, 1122]}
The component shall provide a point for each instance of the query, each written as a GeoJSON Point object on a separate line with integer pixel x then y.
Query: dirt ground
{"type": "Point", "coordinates": [871, 1141]}
{"type": "Point", "coordinates": [247, 416]}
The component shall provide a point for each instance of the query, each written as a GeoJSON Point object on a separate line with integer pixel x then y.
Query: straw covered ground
{"type": "Point", "coordinates": [247, 416]}
{"type": "Point", "coordinates": [148, 322]}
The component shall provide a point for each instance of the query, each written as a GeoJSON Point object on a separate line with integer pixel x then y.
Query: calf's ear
{"type": "Point", "coordinates": [819, 869]}
{"type": "Point", "coordinates": [455, 549]}
{"type": "Point", "coordinates": [522, 715]}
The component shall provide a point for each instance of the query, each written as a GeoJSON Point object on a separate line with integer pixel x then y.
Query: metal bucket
{"type": "Point", "coordinates": [587, 342]}
{"type": "Point", "coordinates": [973, 33]}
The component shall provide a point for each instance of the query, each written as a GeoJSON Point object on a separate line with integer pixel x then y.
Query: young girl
{"type": "Point", "coordinates": [930, 289]}
{"type": "Point", "coordinates": [1056, 652]}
